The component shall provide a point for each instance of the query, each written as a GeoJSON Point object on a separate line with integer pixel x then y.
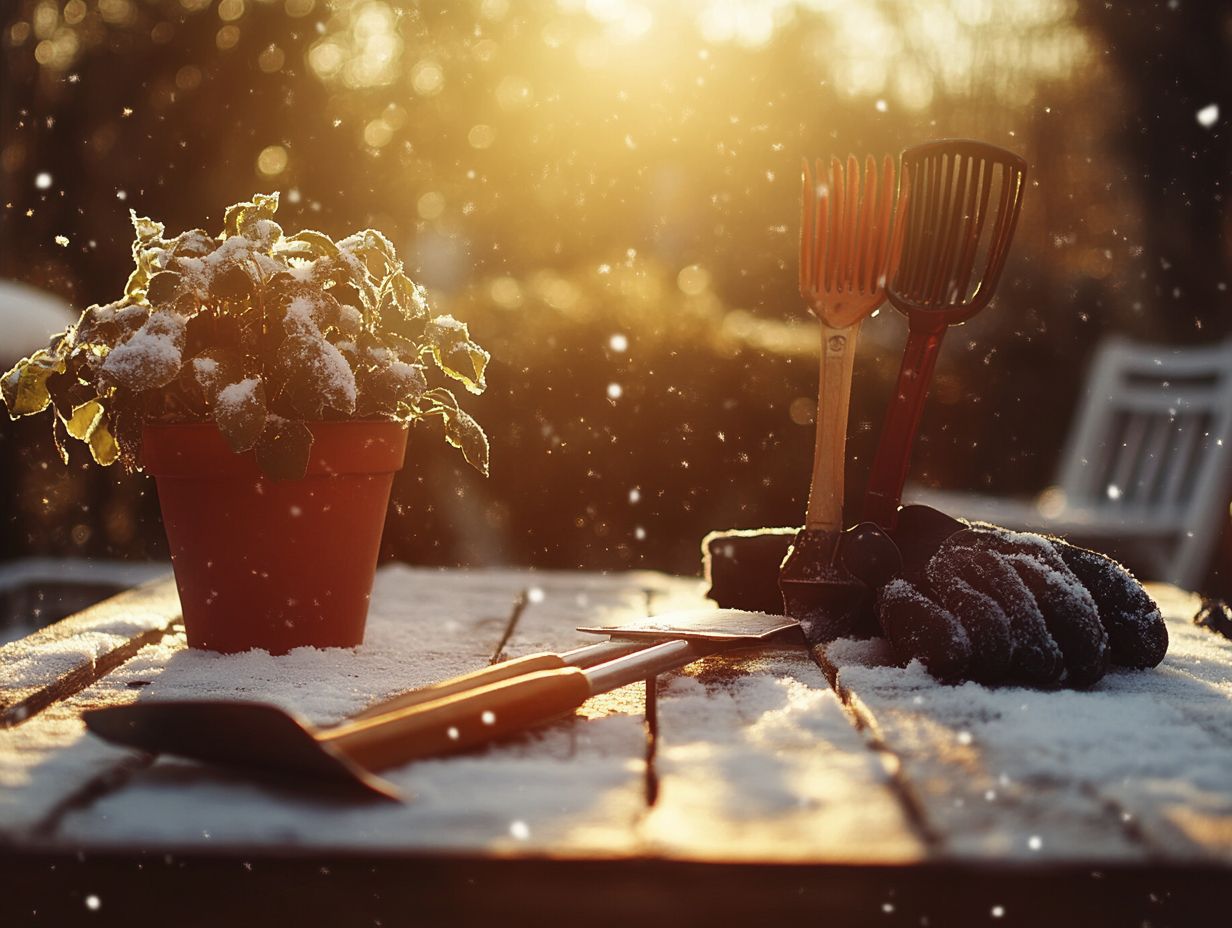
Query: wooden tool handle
{"type": "Point", "coordinates": [463, 720]}
{"type": "Point", "coordinates": [825, 505]}
{"type": "Point", "coordinates": [468, 681]}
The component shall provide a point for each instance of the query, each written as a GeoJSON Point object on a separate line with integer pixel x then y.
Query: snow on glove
{"type": "Point", "coordinates": [974, 601]}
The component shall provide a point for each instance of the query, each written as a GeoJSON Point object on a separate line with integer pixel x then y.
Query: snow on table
{"type": "Point", "coordinates": [754, 757]}
{"type": "Point", "coordinates": [748, 756]}
{"type": "Point", "coordinates": [1137, 768]}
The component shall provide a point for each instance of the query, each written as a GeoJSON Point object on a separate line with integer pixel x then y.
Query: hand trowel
{"type": "Point", "coordinates": [447, 717]}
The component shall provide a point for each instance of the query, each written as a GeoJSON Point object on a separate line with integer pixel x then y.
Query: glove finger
{"type": "Point", "coordinates": [1136, 631]}
{"type": "Point", "coordinates": [1071, 616]}
{"type": "Point", "coordinates": [986, 624]}
{"type": "Point", "coordinates": [917, 627]}
{"type": "Point", "coordinates": [1036, 657]}
{"type": "Point", "coordinates": [1069, 610]}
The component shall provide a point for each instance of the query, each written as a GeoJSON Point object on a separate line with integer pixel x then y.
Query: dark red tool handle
{"type": "Point", "coordinates": [893, 457]}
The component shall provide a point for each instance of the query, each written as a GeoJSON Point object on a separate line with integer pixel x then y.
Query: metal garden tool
{"type": "Point", "coordinates": [846, 246]}
{"type": "Point", "coordinates": [962, 204]}
{"type": "Point", "coordinates": [437, 720]}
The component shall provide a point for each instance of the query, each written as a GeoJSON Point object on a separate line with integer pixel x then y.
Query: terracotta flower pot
{"type": "Point", "coordinates": [269, 564]}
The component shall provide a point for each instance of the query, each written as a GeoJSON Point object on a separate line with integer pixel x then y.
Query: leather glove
{"type": "Point", "coordinates": [974, 601]}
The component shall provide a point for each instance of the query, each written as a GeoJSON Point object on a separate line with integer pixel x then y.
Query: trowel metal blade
{"type": "Point", "coordinates": [722, 625]}
{"type": "Point", "coordinates": [251, 736]}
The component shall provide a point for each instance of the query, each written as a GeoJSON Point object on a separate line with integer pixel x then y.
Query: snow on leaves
{"type": "Point", "coordinates": [258, 331]}
{"type": "Point", "coordinates": [455, 353]}
{"type": "Point", "coordinates": [151, 357]}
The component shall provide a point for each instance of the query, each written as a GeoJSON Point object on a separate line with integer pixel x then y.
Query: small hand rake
{"type": "Point", "coordinates": [846, 247]}
{"type": "Point", "coordinates": [962, 204]}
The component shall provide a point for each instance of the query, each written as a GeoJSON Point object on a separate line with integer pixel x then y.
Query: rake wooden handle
{"type": "Point", "coordinates": [893, 457]}
{"type": "Point", "coordinates": [462, 720]}
{"type": "Point", "coordinates": [825, 505]}
{"type": "Point", "coordinates": [469, 681]}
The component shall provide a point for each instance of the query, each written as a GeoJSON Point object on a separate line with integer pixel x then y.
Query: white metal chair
{"type": "Point", "coordinates": [1147, 466]}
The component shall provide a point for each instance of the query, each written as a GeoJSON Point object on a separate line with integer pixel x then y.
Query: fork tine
{"type": "Point", "coordinates": [861, 258]}
{"type": "Point", "coordinates": [838, 215]}
{"type": "Point", "coordinates": [846, 281]}
{"type": "Point", "coordinates": [821, 220]}
{"type": "Point", "coordinates": [888, 230]}
{"type": "Point", "coordinates": [865, 228]}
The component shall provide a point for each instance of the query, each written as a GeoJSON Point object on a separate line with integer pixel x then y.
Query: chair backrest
{"type": "Point", "coordinates": [1152, 445]}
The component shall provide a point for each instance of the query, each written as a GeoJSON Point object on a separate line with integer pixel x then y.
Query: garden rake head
{"type": "Point", "coordinates": [962, 204]}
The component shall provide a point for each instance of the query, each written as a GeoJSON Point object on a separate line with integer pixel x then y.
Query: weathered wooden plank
{"type": "Point", "coordinates": [565, 787]}
{"type": "Point", "coordinates": [57, 661]}
{"type": "Point", "coordinates": [758, 761]}
{"type": "Point", "coordinates": [754, 757]}
{"type": "Point", "coordinates": [424, 625]}
{"type": "Point", "coordinates": [1134, 769]}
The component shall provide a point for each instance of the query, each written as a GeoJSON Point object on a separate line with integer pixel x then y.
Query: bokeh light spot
{"type": "Point", "coordinates": [272, 160]}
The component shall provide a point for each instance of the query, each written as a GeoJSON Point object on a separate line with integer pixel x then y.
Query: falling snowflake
{"type": "Point", "coordinates": [1208, 115]}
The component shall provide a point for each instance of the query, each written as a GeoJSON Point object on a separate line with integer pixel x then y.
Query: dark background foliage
{"type": "Point", "coordinates": [614, 211]}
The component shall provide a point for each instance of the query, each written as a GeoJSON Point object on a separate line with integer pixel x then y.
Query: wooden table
{"type": "Point", "coordinates": [753, 785]}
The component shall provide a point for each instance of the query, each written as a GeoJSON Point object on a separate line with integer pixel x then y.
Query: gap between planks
{"type": "Point", "coordinates": [151, 611]}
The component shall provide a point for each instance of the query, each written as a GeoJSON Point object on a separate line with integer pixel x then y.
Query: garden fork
{"type": "Point", "coordinates": [846, 246]}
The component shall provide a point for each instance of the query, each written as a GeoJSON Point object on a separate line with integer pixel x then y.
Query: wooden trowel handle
{"type": "Point", "coordinates": [494, 674]}
{"type": "Point", "coordinates": [825, 505]}
{"type": "Point", "coordinates": [462, 720]}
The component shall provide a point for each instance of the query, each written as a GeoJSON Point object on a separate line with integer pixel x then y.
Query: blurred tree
{"type": "Point", "coordinates": [610, 199]}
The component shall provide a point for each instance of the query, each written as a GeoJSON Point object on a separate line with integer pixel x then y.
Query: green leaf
{"type": "Point", "coordinates": [195, 243]}
{"type": "Point", "coordinates": [386, 387]}
{"type": "Point", "coordinates": [25, 386]}
{"type": "Point", "coordinates": [151, 357]}
{"type": "Point", "coordinates": [147, 249]}
{"type": "Point", "coordinates": [163, 288]}
{"type": "Point", "coordinates": [98, 325]}
{"type": "Point", "coordinates": [309, 242]}
{"type": "Point", "coordinates": [84, 419]}
{"type": "Point", "coordinates": [409, 297]}
{"type": "Point", "coordinates": [240, 412]}
{"type": "Point", "coordinates": [103, 446]}
{"type": "Point", "coordinates": [242, 216]}
{"type": "Point", "coordinates": [209, 371]}
{"type": "Point", "coordinates": [283, 448]}
{"type": "Point", "coordinates": [232, 282]}
{"type": "Point", "coordinates": [66, 388]}
{"type": "Point", "coordinates": [456, 355]}
{"type": "Point", "coordinates": [59, 437]}
{"type": "Point", "coordinates": [148, 231]}
{"type": "Point", "coordinates": [461, 429]}
{"type": "Point", "coordinates": [315, 374]}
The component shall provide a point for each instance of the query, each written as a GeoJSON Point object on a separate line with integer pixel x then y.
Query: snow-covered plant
{"type": "Point", "coordinates": [259, 331]}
